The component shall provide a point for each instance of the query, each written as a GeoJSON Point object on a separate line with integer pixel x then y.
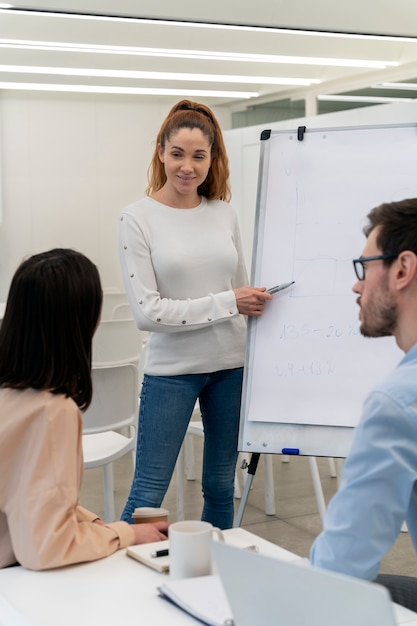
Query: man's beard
{"type": "Point", "coordinates": [379, 317]}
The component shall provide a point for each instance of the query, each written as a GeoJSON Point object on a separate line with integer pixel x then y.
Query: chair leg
{"type": "Point", "coordinates": [189, 457]}
{"type": "Point", "coordinates": [269, 485]}
{"type": "Point", "coordinates": [180, 485]}
{"type": "Point", "coordinates": [318, 489]}
{"type": "Point", "coordinates": [339, 469]}
{"type": "Point", "coordinates": [237, 492]}
{"type": "Point", "coordinates": [332, 468]}
{"type": "Point", "coordinates": [109, 514]}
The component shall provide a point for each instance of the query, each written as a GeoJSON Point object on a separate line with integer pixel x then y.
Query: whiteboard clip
{"type": "Point", "coordinates": [300, 132]}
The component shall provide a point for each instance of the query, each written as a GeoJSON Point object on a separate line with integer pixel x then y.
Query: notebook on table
{"type": "Point", "coordinates": [156, 555]}
{"type": "Point", "coordinates": [266, 591]}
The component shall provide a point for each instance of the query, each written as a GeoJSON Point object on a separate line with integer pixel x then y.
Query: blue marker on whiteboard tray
{"type": "Point", "coordinates": [290, 451]}
{"type": "Point", "coordinates": [273, 290]}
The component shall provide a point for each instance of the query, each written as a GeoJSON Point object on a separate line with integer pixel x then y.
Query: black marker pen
{"type": "Point", "coordinates": [273, 290]}
{"type": "Point", "coordinates": [160, 553]}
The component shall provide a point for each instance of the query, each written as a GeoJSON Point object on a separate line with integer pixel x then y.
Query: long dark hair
{"type": "Point", "coordinates": [188, 114]}
{"type": "Point", "coordinates": [52, 311]}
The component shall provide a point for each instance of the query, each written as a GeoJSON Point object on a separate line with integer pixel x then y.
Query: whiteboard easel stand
{"type": "Point", "coordinates": [314, 189]}
{"type": "Point", "coordinates": [268, 480]}
{"type": "Point", "coordinates": [253, 464]}
{"type": "Point", "coordinates": [270, 502]}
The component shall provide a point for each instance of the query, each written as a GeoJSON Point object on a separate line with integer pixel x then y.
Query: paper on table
{"type": "Point", "coordinates": [202, 597]}
{"type": "Point", "coordinates": [142, 552]}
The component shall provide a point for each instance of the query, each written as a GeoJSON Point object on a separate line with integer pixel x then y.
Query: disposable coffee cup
{"type": "Point", "coordinates": [148, 514]}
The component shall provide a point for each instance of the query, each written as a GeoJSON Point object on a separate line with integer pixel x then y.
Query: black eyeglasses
{"type": "Point", "coordinates": [359, 264]}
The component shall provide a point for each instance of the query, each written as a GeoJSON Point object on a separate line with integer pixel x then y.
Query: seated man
{"type": "Point", "coordinates": [378, 490]}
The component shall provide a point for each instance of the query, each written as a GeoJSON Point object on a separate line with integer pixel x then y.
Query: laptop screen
{"type": "Point", "coordinates": [265, 591]}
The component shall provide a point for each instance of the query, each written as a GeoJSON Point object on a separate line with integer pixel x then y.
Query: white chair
{"type": "Point", "coordinates": [315, 476]}
{"type": "Point", "coordinates": [116, 342]}
{"type": "Point", "coordinates": [114, 407]}
{"type": "Point", "coordinates": [110, 300]}
{"type": "Point", "coordinates": [122, 311]}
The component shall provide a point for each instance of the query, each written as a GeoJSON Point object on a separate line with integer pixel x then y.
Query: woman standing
{"type": "Point", "coordinates": [185, 277]}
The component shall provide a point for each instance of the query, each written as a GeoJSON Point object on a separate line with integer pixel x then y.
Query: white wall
{"type": "Point", "coordinates": [243, 146]}
{"type": "Point", "coordinates": [70, 163]}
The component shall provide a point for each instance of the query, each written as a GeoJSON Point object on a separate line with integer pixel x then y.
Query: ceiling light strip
{"type": "Point", "coordinates": [403, 86]}
{"type": "Point", "coordinates": [193, 54]}
{"type": "Point", "coordinates": [105, 73]}
{"type": "Point", "coordinates": [370, 99]}
{"type": "Point", "coordinates": [134, 91]}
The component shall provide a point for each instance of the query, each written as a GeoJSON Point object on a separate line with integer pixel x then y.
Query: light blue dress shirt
{"type": "Point", "coordinates": [378, 490]}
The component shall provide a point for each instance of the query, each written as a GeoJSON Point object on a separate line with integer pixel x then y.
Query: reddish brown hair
{"type": "Point", "coordinates": [188, 114]}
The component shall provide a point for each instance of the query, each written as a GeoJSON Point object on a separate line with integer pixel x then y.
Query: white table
{"type": "Point", "coordinates": [114, 590]}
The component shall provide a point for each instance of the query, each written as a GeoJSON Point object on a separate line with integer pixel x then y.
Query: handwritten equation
{"type": "Point", "coordinates": [289, 332]}
{"type": "Point", "coordinates": [311, 369]}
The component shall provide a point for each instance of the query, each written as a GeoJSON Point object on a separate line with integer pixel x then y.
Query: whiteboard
{"type": "Point", "coordinates": [307, 367]}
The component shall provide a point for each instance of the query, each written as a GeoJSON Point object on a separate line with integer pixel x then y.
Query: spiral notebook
{"type": "Point", "coordinates": [146, 553]}
{"type": "Point", "coordinates": [202, 597]}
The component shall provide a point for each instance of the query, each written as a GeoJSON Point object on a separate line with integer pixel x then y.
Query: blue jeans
{"type": "Point", "coordinates": [166, 406]}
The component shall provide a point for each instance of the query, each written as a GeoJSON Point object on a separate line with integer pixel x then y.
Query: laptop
{"type": "Point", "coordinates": [265, 591]}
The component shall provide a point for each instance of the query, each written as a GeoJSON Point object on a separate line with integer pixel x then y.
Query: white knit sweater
{"type": "Point", "coordinates": [180, 267]}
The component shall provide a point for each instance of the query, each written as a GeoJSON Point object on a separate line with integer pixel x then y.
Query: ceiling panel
{"type": "Point", "coordinates": [373, 16]}
{"type": "Point", "coordinates": [127, 38]}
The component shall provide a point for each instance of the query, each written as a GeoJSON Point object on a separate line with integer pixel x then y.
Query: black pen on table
{"type": "Point", "coordinates": [273, 290]}
{"type": "Point", "coordinates": [158, 553]}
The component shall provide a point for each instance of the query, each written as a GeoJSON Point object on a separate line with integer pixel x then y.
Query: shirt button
{"type": "Point", "coordinates": [231, 312]}
{"type": "Point", "coordinates": [140, 301]}
{"type": "Point", "coordinates": [209, 319]}
{"type": "Point", "coordinates": [183, 322]}
{"type": "Point", "coordinates": [125, 247]}
{"type": "Point", "coordinates": [158, 319]}
{"type": "Point", "coordinates": [132, 275]}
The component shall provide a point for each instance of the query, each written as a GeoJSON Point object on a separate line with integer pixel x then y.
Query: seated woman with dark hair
{"type": "Point", "coordinates": [52, 312]}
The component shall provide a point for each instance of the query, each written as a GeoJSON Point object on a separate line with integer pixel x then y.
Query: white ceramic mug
{"type": "Point", "coordinates": [189, 548]}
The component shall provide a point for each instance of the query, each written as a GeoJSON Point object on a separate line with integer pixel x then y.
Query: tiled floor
{"type": "Point", "coordinates": [295, 523]}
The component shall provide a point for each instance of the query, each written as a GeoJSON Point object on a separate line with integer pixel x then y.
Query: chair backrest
{"type": "Point", "coordinates": [116, 342]}
{"type": "Point", "coordinates": [110, 300]}
{"type": "Point", "coordinates": [122, 311]}
{"type": "Point", "coordinates": [115, 399]}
